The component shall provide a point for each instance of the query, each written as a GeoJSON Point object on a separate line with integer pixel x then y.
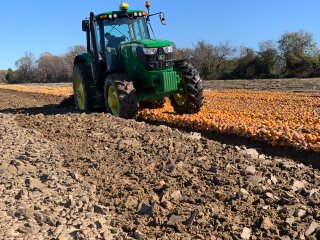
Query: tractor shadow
{"type": "Point", "coordinates": [66, 106]}
{"type": "Point", "coordinates": [308, 158]}
{"type": "Point", "coordinates": [51, 109]}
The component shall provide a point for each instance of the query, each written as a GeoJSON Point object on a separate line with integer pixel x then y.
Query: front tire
{"type": "Point", "coordinates": [81, 79]}
{"type": "Point", "coordinates": [191, 99]}
{"type": "Point", "coordinates": [120, 97]}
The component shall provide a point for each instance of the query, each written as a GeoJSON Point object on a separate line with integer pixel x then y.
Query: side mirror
{"type": "Point", "coordinates": [163, 19]}
{"type": "Point", "coordinates": [85, 25]}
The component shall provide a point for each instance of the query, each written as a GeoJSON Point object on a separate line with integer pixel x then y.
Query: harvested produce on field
{"type": "Point", "coordinates": [54, 89]}
{"type": "Point", "coordinates": [282, 119]}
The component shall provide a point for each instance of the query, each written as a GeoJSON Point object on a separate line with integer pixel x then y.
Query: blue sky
{"type": "Point", "coordinates": [39, 26]}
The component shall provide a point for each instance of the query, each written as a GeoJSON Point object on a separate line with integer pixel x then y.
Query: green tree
{"type": "Point", "coordinates": [266, 60]}
{"type": "Point", "coordinates": [10, 75]}
{"type": "Point", "coordinates": [299, 53]}
{"type": "Point", "coordinates": [297, 43]}
{"type": "Point", "coordinates": [246, 67]}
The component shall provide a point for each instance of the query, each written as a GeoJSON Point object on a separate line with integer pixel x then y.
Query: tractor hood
{"type": "Point", "coordinates": [153, 43]}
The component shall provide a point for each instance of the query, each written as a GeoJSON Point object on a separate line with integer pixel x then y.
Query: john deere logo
{"type": "Point", "coordinates": [161, 57]}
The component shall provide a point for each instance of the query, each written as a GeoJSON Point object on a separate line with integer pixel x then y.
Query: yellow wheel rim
{"type": "Point", "coordinates": [180, 99]}
{"type": "Point", "coordinates": [113, 101]}
{"type": "Point", "coordinates": [80, 93]}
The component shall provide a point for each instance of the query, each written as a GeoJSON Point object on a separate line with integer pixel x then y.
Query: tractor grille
{"type": "Point", "coordinates": [160, 61]}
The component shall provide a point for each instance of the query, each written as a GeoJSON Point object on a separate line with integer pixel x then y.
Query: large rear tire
{"type": "Point", "coordinates": [191, 100]}
{"type": "Point", "coordinates": [81, 79]}
{"type": "Point", "coordinates": [120, 96]}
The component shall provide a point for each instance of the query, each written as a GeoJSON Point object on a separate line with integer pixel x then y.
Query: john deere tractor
{"type": "Point", "coordinates": [124, 68]}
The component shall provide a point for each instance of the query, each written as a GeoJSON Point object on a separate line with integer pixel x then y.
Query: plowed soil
{"type": "Point", "coordinates": [310, 85]}
{"type": "Point", "coordinates": [162, 183]}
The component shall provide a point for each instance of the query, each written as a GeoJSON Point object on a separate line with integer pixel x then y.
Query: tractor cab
{"type": "Point", "coordinates": [117, 28]}
{"type": "Point", "coordinates": [109, 31]}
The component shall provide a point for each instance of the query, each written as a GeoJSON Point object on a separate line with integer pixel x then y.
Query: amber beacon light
{"type": "Point", "coordinates": [148, 4]}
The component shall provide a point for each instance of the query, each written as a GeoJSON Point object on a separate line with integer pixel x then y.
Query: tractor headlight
{"type": "Point", "coordinates": [168, 49]}
{"type": "Point", "coordinates": [150, 51]}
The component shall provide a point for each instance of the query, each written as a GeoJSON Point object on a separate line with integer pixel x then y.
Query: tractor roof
{"type": "Point", "coordinates": [127, 13]}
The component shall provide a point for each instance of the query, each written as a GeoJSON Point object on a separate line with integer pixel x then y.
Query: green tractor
{"type": "Point", "coordinates": [124, 68]}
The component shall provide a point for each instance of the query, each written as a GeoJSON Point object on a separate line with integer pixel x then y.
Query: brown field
{"type": "Point", "coordinates": [310, 85]}
{"type": "Point", "coordinates": [71, 175]}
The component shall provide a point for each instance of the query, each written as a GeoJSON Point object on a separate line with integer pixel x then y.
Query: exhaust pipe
{"type": "Point", "coordinates": [96, 53]}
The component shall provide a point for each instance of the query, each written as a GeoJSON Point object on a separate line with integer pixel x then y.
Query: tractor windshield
{"type": "Point", "coordinates": [126, 29]}
{"type": "Point", "coordinates": [112, 33]}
